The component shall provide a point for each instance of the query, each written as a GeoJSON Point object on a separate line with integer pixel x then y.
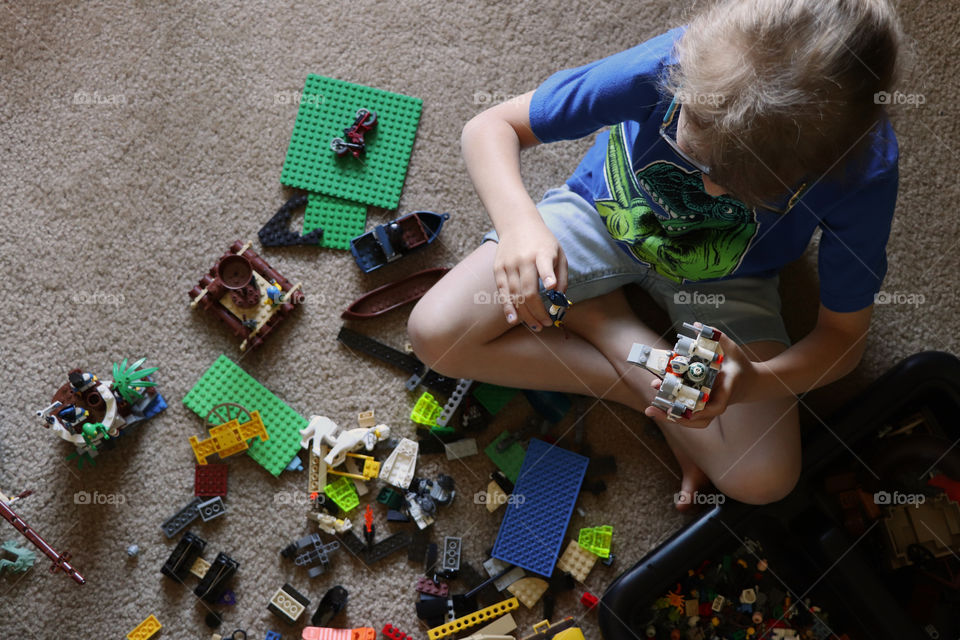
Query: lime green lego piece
{"type": "Point", "coordinates": [596, 540]}
{"type": "Point", "coordinates": [426, 411]}
{"type": "Point", "coordinates": [508, 461]}
{"type": "Point", "coordinates": [329, 106]}
{"type": "Point", "coordinates": [225, 381]}
{"type": "Point", "coordinates": [343, 493]}
{"type": "Point", "coordinates": [493, 397]}
{"type": "Point", "coordinates": [341, 220]}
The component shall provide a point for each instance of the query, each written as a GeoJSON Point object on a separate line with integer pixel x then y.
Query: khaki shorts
{"type": "Point", "coordinates": [746, 309]}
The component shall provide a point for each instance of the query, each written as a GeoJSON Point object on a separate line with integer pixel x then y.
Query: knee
{"type": "Point", "coordinates": [762, 483]}
{"type": "Point", "coordinates": [433, 336]}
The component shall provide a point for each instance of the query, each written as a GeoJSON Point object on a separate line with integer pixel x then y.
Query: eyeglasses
{"type": "Point", "coordinates": [668, 117]}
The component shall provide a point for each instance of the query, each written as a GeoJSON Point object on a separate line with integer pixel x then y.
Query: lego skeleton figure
{"type": "Point", "coordinates": [688, 371]}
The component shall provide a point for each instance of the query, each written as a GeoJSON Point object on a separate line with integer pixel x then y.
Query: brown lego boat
{"type": "Point", "coordinates": [393, 294]}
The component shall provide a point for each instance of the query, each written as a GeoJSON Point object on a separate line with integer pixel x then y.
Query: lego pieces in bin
{"type": "Point", "coordinates": [532, 530]}
{"type": "Point", "coordinates": [276, 232]}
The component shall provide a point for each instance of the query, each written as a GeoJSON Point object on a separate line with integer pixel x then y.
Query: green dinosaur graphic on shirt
{"type": "Point", "coordinates": [704, 237]}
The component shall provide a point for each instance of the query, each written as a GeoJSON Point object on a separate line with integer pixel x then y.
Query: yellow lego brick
{"type": "Point", "coordinates": [528, 590]}
{"type": "Point", "coordinates": [202, 450]}
{"type": "Point", "coordinates": [577, 561]}
{"type": "Point", "coordinates": [145, 629]}
{"type": "Point", "coordinates": [254, 427]}
{"type": "Point", "coordinates": [473, 619]}
{"type": "Point", "coordinates": [199, 568]}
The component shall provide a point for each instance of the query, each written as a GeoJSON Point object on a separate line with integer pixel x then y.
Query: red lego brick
{"type": "Point", "coordinates": [589, 600]}
{"type": "Point", "coordinates": [210, 480]}
{"type": "Point", "coordinates": [390, 632]}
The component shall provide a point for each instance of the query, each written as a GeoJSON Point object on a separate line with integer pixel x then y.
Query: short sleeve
{"type": "Point", "coordinates": [576, 102]}
{"type": "Point", "coordinates": [853, 247]}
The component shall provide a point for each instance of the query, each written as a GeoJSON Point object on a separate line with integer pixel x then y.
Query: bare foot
{"type": "Point", "coordinates": [693, 479]}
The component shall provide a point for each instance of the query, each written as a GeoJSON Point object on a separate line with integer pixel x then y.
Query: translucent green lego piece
{"type": "Point", "coordinates": [493, 397]}
{"type": "Point", "coordinates": [341, 220]}
{"type": "Point", "coordinates": [508, 461]}
{"type": "Point", "coordinates": [343, 493]}
{"type": "Point", "coordinates": [426, 411]}
{"type": "Point", "coordinates": [329, 106]}
{"type": "Point", "coordinates": [225, 381]}
{"type": "Point", "coordinates": [596, 540]}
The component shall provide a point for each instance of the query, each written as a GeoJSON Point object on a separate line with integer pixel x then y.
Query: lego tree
{"type": "Point", "coordinates": [130, 380]}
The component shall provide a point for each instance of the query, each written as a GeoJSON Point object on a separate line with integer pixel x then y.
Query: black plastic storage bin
{"type": "Point", "coordinates": [804, 543]}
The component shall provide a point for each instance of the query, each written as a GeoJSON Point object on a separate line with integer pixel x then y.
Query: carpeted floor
{"type": "Point", "coordinates": [140, 141]}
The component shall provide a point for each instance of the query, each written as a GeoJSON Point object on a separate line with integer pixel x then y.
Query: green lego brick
{"type": "Point", "coordinates": [341, 220]}
{"type": "Point", "coordinates": [426, 411]}
{"type": "Point", "coordinates": [596, 540]}
{"type": "Point", "coordinates": [508, 461]}
{"type": "Point", "coordinates": [327, 107]}
{"type": "Point", "coordinates": [225, 381]}
{"type": "Point", "coordinates": [343, 493]}
{"type": "Point", "coordinates": [493, 397]}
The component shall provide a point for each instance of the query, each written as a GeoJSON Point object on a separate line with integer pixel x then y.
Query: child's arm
{"type": "Point", "coordinates": [528, 250]}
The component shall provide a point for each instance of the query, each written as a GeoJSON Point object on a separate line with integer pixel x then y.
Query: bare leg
{"type": "Point", "coordinates": [458, 331]}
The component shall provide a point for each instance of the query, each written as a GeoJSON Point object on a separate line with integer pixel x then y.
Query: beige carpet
{"type": "Point", "coordinates": [138, 142]}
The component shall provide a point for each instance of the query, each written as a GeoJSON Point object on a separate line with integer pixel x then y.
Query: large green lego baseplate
{"type": "Point", "coordinates": [341, 220]}
{"type": "Point", "coordinates": [225, 381]}
{"type": "Point", "coordinates": [329, 106]}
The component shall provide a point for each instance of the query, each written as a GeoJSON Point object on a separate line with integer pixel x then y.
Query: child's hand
{"type": "Point", "coordinates": [737, 375]}
{"type": "Point", "coordinates": [524, 254]}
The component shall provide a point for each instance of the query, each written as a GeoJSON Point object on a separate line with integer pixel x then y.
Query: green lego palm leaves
{"type": "Point", "coordinates": [128, 379]}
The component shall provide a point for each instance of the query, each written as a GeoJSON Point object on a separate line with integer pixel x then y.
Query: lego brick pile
{"type": "Point", "coordinates": [141, 141]}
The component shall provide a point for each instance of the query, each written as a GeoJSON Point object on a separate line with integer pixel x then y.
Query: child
{"type": "Point", "coordinates": [730, 142]}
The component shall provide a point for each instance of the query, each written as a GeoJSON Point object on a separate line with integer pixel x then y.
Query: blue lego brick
{"type": "Point", "coordinates": [225, 381]}
{"type": "Point", "coordinates": [158, 405]}
{"type": "Point", "coordinates": [273, 635]}
{"type": "Point", "coordinates": [533, 527]}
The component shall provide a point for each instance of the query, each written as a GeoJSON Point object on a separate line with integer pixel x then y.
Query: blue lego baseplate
{"type": "Point", "coordinates": [538, 514]}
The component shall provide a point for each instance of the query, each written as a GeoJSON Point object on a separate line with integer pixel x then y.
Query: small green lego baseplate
{"type": "Point", "coordinates": [329, 106]}
{"type": "Point", "coordinates": [493, 397]}
{"type": "Point", "coordinates": [341, 220]}
{"type": "Point", "coordinates": [225, 381]}
{"type": "Point", "coordinates": [508, 461]}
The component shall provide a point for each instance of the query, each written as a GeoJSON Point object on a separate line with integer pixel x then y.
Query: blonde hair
{"type": "Point", "coordinates": [778, 90]}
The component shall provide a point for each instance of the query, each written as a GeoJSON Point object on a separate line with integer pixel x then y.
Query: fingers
{"type": "Point", "coordinates": [503, 289]}
{"type": "Point", "coordinates": [561, 271]}
{"type": "Point", "coordinates": [532, 303]}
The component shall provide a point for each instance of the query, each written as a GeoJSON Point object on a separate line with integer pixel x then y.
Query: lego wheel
{"type": "Point", "coordinates": [225, 412]}
{"type": "Point", "coordinates": [339, 146]}
{"type": "Point", "coordinates": [369, 117]}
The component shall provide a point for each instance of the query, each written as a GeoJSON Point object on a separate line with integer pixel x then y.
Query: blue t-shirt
{"type": "Point", "coordinates": [653, 203]}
